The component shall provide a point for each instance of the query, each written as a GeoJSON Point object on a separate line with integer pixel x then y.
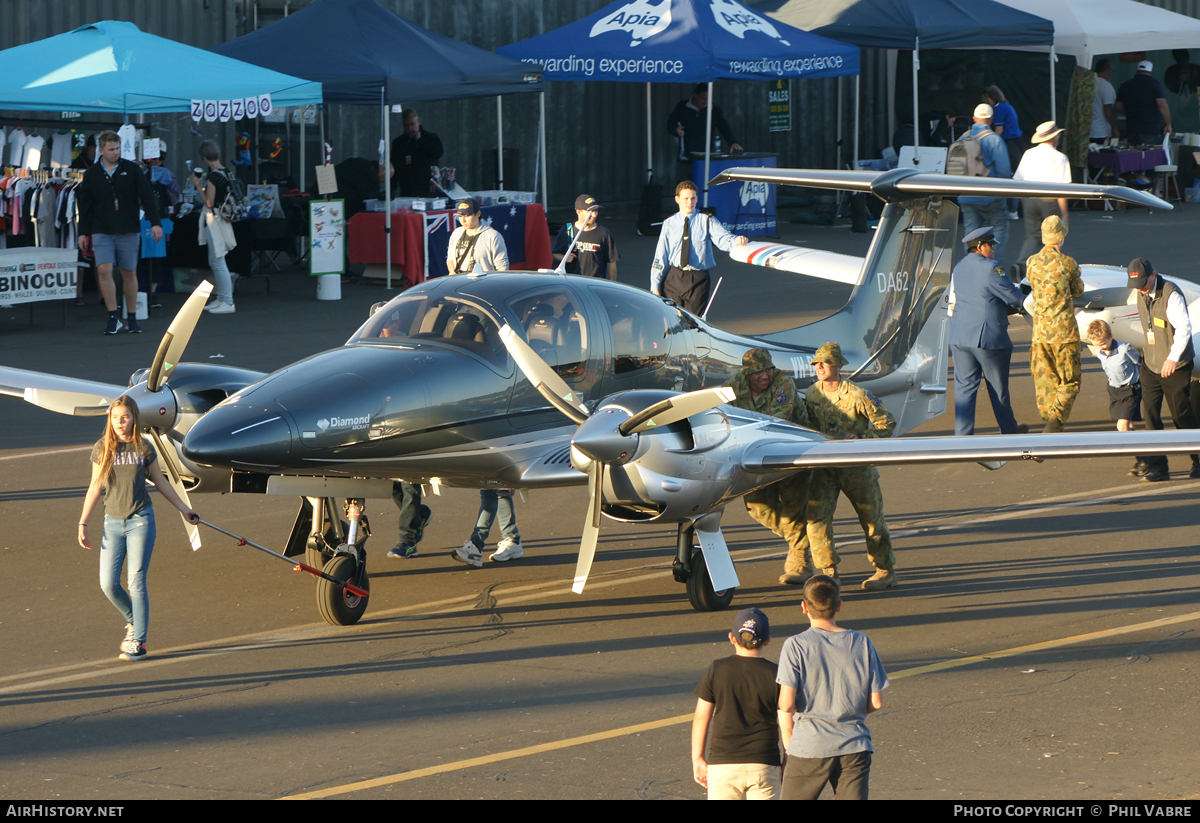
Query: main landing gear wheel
{"type": "Point", "coordinates": [338, 606]}
{"type": "Point", "coordinates": [700, 589]}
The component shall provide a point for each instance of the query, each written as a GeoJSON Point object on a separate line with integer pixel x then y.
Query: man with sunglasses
{"type": "Point", "coordinates": [984, 296]}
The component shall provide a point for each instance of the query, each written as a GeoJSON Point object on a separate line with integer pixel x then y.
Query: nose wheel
{"type": "Point", "coordinates": [691, 569]}
{"type": "Point", "coordinates": [337, 605]}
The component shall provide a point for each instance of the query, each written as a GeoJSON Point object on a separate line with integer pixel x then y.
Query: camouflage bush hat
{"type": "Point", "coordinates": [1054, 230]}
{"type": "Point", "coordinates": [757, 360]}
{"type": "Point", "coordinates": [830, 353]}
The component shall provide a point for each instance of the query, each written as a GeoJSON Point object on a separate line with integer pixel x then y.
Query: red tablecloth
{"type": "Point", "coordinates": [366, 232]}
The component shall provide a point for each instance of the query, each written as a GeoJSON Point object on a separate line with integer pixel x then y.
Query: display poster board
{"type": "Point", "coordinates": [327, 233]}
{"type": "Point", "coordinates": [263, 202]}
{"type": "Point", "coordinates": [29, 275]}
{"type": "Point", "coordinates": [779, 104]}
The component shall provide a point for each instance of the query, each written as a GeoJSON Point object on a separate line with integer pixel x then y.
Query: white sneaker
{"type": "Point", "coordinates": [1012, 215]}
{"type": "Point", "coordinates": [467, 553]}
{"type": "Point", "coordinates": [507, 549]}
{"type": "Point", "coordinates": [129, 635]}
{"type": "Point", "coordinates": [222, 308]}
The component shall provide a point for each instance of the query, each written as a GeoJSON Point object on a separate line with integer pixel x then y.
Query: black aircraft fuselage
{"type": "Point", "coordinates": [425, 389]}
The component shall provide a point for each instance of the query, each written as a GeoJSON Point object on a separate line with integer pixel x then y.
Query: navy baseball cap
{"type": "Point", "coordinates": [754, 622]}
{"type": "Point", "coordinates": [585, 202]}
{"type": "Point", "coordinates": [466, 208]}
{"type": "Point", "coordinates": [1140, 271]}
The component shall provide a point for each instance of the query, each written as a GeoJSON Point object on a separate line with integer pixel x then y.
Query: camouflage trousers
{"type": "Point", "coordinates": [1056, 373]}
{"type": "Point", "coordinates": [781, 508]}
{"type": "Point", "coordinates": [861, 487]}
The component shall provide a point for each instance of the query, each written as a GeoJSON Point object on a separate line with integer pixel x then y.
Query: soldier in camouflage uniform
{"type": "Point", "coordinates": [840, 410]}
{"type": "Point", "coordinates": [781, 506]}
{"type": "Point", "coordinates": [1054, 350]}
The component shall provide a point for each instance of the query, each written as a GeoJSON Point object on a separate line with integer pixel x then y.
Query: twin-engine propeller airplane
{"type": "Point", "coordinates": [535, 380]}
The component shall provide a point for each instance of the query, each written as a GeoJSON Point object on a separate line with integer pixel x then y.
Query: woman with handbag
{"type": "Point", "coordinates": [216, 231]}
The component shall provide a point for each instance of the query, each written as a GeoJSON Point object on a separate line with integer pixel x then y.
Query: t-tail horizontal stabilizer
{"type": "Point", "coordinates": [909, 184]}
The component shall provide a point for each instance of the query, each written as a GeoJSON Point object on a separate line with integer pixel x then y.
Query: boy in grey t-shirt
{"type": "Point", "coordinates": [830, 679]}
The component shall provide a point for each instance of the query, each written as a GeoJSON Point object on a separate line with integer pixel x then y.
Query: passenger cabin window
{"type": "Point", "coordinates": [443, 320]}
{"type": "Point", "coordinates": [640, 330]}
{"type": "Point", "coordinates": [556, 329]}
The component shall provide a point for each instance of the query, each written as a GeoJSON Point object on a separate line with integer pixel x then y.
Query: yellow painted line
{"type": "Point", "coordinates": [679, 720]}
{"type": "Point", "coordinates": [492, 758]}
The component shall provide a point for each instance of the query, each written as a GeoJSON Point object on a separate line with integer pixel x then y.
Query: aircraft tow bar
{"type": "Point", "coordinates": [297, 566]}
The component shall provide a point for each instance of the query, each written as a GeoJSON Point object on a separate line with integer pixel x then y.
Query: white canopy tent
{"type": "Point", "coordinates": [1086, 29]}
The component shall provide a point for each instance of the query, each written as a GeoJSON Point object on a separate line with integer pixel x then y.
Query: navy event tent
{"type": "Point", "coordinates": [916, 24]}
{"type": "Point", "coordinates": [682, 41]}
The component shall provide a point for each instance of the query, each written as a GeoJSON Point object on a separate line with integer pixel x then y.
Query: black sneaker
{"type": "Point", "coordinates": [1155, 477]}
{"type": "Point", "coordinates": [132, 324]}
{"type": "Point", "coordinates": [114, 324]}
{"type": "Point", "coordinates": [1139, 469]}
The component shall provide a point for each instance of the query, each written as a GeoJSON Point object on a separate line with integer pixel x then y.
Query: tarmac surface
{"type": "Point", "coordinates": [1042, 641]}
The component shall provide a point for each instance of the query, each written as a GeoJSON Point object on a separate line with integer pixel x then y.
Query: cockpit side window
{"type": "Point", "coordinates": [556, 329]}
{"type": "Point", "coordinates": [441, 319]}
{"type": "Point", "coordinates": [640, 331]}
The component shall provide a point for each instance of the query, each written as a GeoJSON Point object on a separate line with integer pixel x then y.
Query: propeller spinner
{"type": "Point", "coordinates": [603, 439]}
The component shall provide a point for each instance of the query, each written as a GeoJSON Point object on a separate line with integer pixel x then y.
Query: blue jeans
{"type": "Point", "coordinates": [994, 214]}
{"type": "Point", "coordinates": [220, 272]}
{"type": "Point", "coordinates": [491, 501]}
{"type": "Point", "coordinates": [133, 538]}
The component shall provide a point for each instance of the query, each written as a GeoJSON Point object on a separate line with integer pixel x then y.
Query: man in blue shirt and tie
{"type": "Point", "coordinates": [684, 254]}
{"type": "Point", "coordinates": [979, 342]}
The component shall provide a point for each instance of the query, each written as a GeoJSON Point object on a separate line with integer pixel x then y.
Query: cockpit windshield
{"type": "Point", "coordinates": [427, 318]}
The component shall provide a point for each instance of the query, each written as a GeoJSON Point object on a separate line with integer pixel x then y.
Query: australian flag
{"type": "Point", "coordinates": [508, 219]}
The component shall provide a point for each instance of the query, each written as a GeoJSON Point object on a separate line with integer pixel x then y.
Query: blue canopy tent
{"type": "Point", "coordinates": [682, 41]}
{"type": "Point", "coordinates": [370, 56]}
{"type": "Point", "coordinates": [913, 24]}
{"type": "Point", "coordinates": [113, 66]}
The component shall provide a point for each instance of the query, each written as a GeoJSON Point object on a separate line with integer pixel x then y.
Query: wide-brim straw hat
{"type": "Point", "coordinates": [1047, 131]}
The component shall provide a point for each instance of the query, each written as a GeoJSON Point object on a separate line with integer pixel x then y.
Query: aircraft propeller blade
{"type": "Point", "coordinates": [543, 378]}
{"type": "Point", "coordinates": [177, 337]}
{"type": "Point", "coordinates": [676, 408]}
{"type": "Point", "coordinates": [591, 528]}
{"type": "Point", "coordinates": [65, 395]}
{"type": "Point", "coordinates": [166, 453]}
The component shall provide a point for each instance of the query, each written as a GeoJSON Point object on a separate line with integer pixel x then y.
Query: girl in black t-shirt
{"type": "Point", "coordinates": [121, 461]}
{"type": "Point", "coordinates": [215, 232]}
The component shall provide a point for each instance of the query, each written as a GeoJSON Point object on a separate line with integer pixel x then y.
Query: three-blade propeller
{"type": "Point", "coordinates": [601, 443]}
{"type": "Point", "coordinates": [87, 398]}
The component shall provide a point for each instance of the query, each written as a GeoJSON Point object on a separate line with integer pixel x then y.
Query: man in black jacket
{"type": "Point", "coordinates": [689, 122]}
{"type": "Point", "coordinates": [412, 155]}
{"type": "Point", "coordinates": [110, 227]}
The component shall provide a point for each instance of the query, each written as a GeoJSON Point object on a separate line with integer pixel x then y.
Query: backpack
{"type": "Point", "coordinates": [965, 156]}
{"type": "Point", "coordinates": [236, 205]}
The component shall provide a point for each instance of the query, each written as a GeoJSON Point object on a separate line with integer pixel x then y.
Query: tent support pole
{"type": "Point", "coordinates": [542, 154]}
{"type": "Point", "coordinates": [838, 165]}
{"type": "Point", "coordinates": [387, 186]}
{"type": "Point", "coordinates": [857, 114]}
{"type": "Point", "coordinates": [916, 66]}
{"type": "Point", "coordinates": [303, 162]}
{"type": "Point", "coordinates": [649, 141]}
{"type": "Point", "coordinates": [708, 143]}
{"type": "Point", "coordinates": [500, 143]}
{"type": "Point", "coordinates": [1053, 115]}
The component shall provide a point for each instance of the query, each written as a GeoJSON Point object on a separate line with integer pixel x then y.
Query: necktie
{"type": "Point", "coordinates": [685, 248]}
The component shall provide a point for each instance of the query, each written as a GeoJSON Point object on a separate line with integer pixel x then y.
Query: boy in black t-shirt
{"type": "Point", "coordinates": [739, 695]}
{"type": "Point", "coordinates": [595, 252]}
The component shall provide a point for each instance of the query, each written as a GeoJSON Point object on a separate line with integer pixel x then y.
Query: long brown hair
{"type": "Point", "coordinates": [108, 447]}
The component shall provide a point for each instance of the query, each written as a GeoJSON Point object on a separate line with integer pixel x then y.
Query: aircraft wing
{"type": "Point", "coordinates": [65, 395]}
{"type": "Point", "coordinates": [827, 265]}
{"type": "Point", "coordinates": [908, 184]}
{"type": "Point", "coordinates": [780, 454]}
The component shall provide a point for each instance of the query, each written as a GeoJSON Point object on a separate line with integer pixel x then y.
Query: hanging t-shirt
{"type": "Point", "coordinates": [131, 138]}
{"type": "Point", "coordinates": [3, 142]}
{"type": "Point", "coordinates": [16, 147]}
{"type": "Point", "coordinates": [33, 152]}
{"type": "Point", "coordinates": [60, 151]}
